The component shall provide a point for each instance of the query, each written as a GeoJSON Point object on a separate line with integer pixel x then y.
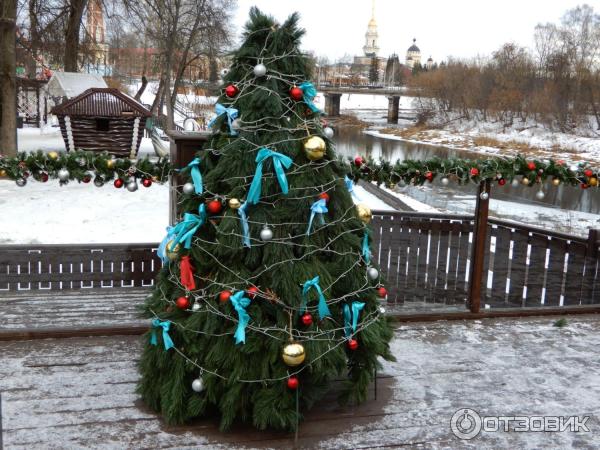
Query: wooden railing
{"type": "Point", "coordinates": [423, 257]}
{"type": "Point", "coordinates": [57, 267]}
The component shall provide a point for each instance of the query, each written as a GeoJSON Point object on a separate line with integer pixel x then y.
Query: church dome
{"type": "Point", "coordinates": [414, 48]}
{"type": "Point", "coordinates": [372, 23]}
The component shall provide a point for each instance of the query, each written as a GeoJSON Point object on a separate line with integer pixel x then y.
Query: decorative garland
{"type": "Point", "coordinates": [517, 170]}
{"type": "Point", "coordinates": [84, 167]}
{"type": "Point", "coordinates": [102, 167]}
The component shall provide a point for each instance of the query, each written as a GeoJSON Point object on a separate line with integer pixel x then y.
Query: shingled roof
{"type": "Point", "coordinates": [102, 102]}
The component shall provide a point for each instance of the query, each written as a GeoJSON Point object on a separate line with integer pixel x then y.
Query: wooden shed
{"type": "Point", "coordinates": [102, 119]}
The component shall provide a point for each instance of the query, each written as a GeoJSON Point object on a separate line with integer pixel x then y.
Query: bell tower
{"type": "Point", "coordinates": [371, 47]}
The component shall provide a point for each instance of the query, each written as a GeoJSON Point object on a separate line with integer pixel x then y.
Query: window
{"type": "Point", "coordinates": [101, 124]}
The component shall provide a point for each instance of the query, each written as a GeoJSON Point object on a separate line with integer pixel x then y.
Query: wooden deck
{"type": "Point", "coordinates": [79, 392]}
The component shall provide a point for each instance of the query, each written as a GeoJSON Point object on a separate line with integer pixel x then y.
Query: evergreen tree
{"type": "Point", "coordinates": [374, 70]}
{"type": "Point", "coordinates": [271, 249]}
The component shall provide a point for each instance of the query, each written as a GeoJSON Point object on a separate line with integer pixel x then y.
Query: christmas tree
{"type": "Point", "coordinates": [268, 294]}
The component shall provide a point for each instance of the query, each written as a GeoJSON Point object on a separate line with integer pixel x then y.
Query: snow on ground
{"type": "Point", "coordinates": [464, 135]}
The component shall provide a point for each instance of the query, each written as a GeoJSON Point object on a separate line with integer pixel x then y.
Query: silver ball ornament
{"type": "Point", "coordinates": [373, 273]}
{"type": "Point", "coordinates": [196, 306]}
{"type": "Point", "coordinates": [188, 188]}
{"type": "Point", "coordinates": [484, 196]}
{"type": "Point", "coordinates": [132, 186]}
{"type": "Point", "coordinates": [266, 234]}
{"type": "Point", "coordinates": [260, 70]}
{"type": "Point", "coordinates": [21, 182]}
{"type": "Point", "coordinates": [63, 175]}
{"type": "Point", "coordinates": [224, 72]}
{"type": "Point", "coordinates": [381, 310]}
{"type": "Point", "coordinates": [402, 183]}
{"type": "Point", "coordinates": [197, 385]}
{"type": "Point", "coordinates": [515, 183]}
{"type": "Point", "coordinates": [540, 195]}
{"type": "Point", "coordinates": [328, 132]}
{"type": "Point", "coordinates": [236, 124]}
{"type": "Point", "coordinates": [445, 181]}
{"type": "Point", "coordinates": [98, 182]}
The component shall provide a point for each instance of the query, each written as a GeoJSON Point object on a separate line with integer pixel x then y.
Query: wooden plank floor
{"type": "Point", "coordinates": [79, 393]}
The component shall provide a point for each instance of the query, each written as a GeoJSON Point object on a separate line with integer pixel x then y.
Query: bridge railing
{"type": "Point", "coordinates": [423, 258]}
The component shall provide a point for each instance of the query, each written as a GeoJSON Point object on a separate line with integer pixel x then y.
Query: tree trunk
{"type": "Point", "coordinates": [34, 39]}
{"type": "Point", "coordinates": [76, 8]}
{"type": "Point", "coordinates": [8, 85]}
{"type": "Point", "coordinates": [142, 88]}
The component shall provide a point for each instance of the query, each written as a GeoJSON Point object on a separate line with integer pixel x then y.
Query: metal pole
{"type": "Point", "coordinates": [478, 249]}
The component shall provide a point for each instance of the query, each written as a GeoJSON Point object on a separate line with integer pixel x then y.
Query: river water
{"type": "Point", "coordinates": [564, 208]}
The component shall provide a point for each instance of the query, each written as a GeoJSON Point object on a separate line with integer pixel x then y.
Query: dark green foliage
{"type": "Point", "coordinates": [560, 323]}
{"type": "Point", "coordinates": [248, 381]}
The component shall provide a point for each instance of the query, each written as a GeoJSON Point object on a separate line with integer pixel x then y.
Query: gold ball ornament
{"type": "Point", "coordinates": [53, 155]}
{"type": "Point", "coordinates": [172, 250]}
{"type": "Point", "coordinates": [525, 181]}
{"type": "Point", "coordinates": [293, 354]}
{"type": "Point", "coordinates": [2, 173]}
{"type": "Point", "coordinates": [110, 163]}
{"type": "Point", "coordinates": [234, 203]}
{"type": "Point", "coordinates": [314, 147]}
{"type": "Point", "coordinates": [593, 181]}
{"type": "Point", "coordinates": [364, 212]}
{"type": "Point", "coordinates": [556, 181]}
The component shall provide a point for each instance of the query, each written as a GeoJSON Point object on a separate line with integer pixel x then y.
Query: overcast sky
{"type": "Point", "coordinates": [460, 28]}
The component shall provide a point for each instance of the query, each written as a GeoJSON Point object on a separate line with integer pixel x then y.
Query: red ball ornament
{"type": "Point", "coordinates": [501, 181]}
{"type": "Point", "coordinates": [44, 177]}
{"type": "Point", "coordinates": [531, 165]}
{"type": "Point", "coordinates": [224, 296]}
{"type": "Point", "coordinates": [293, 383]}
{"type": "Point", "coordinates": [306, 319]}
{"type": "Point", "coordinates": [382, 292]}
{"type": "Point", "coordinates": [147, 182]}
{"type": "Point", "coordinates": [214, 207]}
{"type": "Point", "coordinates": [352, 344]}
{"type": "Point", "coordinates": [584, 186]}
{"type": "Point", "coordinates": [231, 91]}
{"type": "Point", "coordinates": [119, 183]}
{"type": "Point", "coordinates": [429, 176]}
{"type": "Point", "coordinates": [474, 171]}
{"type": "Point", "coordinates": [359, 161]}
{"type": "Point", "coordinates": [560, 162]}
{"type": "Point", "coordinates": [183, 303]}
{"type": "Point", "coordinates": [296, 93]}
{"type": "Point", "coordinates": [324, 196]}
{"type": "Point", "coordinates": [588, 172]}
{"type": "Point", "coordinates": [86, 179]}
{"type": "Point", "coordinates": [252, 291]}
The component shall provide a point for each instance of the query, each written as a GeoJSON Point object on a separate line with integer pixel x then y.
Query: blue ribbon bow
{"type": "Point", "coordinates": [351, 317]}
{"type": "Point", "coordinates": [366, 253]}
{"type": "Point", "coordinates": [240, 303]}
{"type": "Point", "coordinates": [194, 167]}
{"type": "Point", "coordinates": [157, 323]}
{"type": "Point", "coordinates": [232, 114]}
{"type": "Point", "coordinates": [245, 227]}
{"type": "Point", "coordinates": [318, 207]}
{"type": "Point", "coordinates": [314, 283]}
{"type": "Point", "coordinates": [185, 230]}
{"type": "Point", "coordinates": [161, 252]}
{"type": "Point", "coordinates": [350, 187]}
{"type": "Point", "coordinates": [310, 92]}
{"type": "Point", "coordinates": [279, 162]}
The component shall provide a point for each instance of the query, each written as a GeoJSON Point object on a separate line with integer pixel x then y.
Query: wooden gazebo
{"type": "Point", "coordinates": [102, 119]}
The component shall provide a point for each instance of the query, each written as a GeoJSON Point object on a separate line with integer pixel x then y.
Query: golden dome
{"type": "Point", "coordinates": [372, 22]}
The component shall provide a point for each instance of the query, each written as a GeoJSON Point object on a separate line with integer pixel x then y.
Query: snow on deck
{"type": "Point", "coordinates": [80, 393]}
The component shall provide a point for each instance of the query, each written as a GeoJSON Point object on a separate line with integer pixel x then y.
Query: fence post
{"type": "Point", "coordinates": [591, 259]}
{"type": "Point", "coordinates": [184, 145]}
{"type": "Point", "coordinates": [478, 249]}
